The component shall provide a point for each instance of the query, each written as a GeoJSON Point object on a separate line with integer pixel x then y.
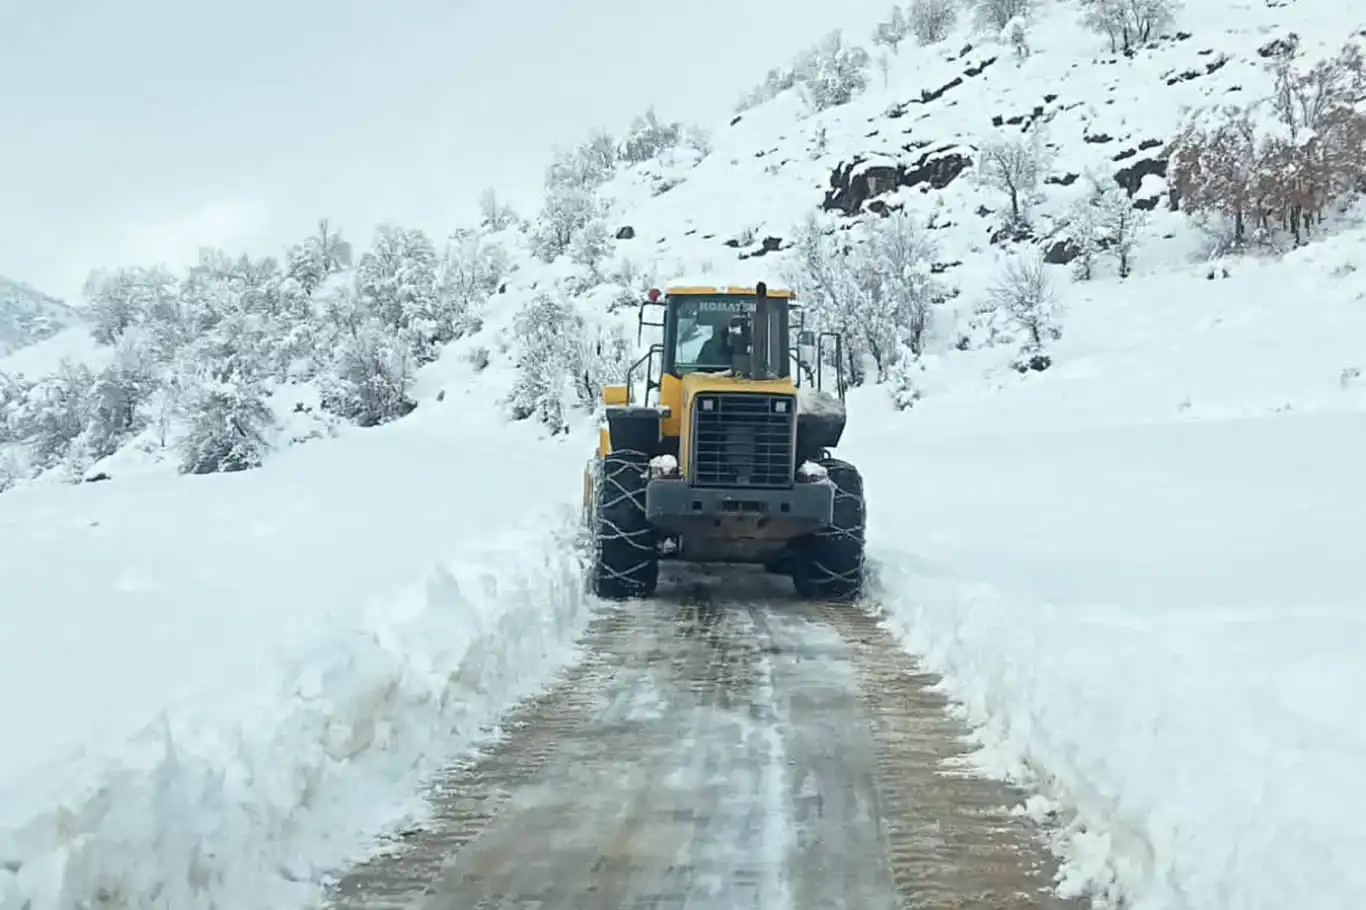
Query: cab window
{"type": "Point", "coordinates": [702, 340]}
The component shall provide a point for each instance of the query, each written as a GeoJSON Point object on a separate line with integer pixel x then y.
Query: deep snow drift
{"type": "Point", "coordinates": [1141, 575]}
{"type": "Point", "coordinates": [219, 688]}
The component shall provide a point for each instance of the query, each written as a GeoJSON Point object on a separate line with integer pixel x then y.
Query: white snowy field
{"type": "Point", "coordinates": [1140, 573]}
{"type": "Point", "coordinates": [218, 688]}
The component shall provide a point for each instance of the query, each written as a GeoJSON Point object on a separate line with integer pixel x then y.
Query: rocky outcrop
{"type": "Point", "coordinates": [1131, 177]}
{"type": "Point", "coordinates": [853, 184]}
{"type": "Point", "coordinates": [1061, 252]}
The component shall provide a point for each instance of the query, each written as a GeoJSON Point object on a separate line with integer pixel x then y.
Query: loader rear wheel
{"type": "Point", "coordinates": [828, 565]}
{"type": "Point", "coordinates": [625, 545]}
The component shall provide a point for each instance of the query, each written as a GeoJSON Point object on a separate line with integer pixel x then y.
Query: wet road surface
{"type": "Point", "coordinates": [726, 749]}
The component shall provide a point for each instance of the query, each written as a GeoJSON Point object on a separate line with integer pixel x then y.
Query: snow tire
{"type": "Point", "coordinates": [625, 544]}
{"type": "Point", "coordinates": [828, 565]}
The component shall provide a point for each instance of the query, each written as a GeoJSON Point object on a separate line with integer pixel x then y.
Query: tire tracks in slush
{"type": "Point", "coordinates": [732, 748]}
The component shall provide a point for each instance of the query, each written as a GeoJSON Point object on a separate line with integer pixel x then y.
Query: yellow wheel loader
{"type": "Point", "coordinates": [716, 449]}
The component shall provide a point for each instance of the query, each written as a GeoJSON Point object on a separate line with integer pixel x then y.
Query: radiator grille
{"type": "Point", "coordinates": [742, 439]}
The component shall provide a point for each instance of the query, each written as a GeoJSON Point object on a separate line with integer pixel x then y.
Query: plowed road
{"type": "Point", "coordinates": [728, 749]}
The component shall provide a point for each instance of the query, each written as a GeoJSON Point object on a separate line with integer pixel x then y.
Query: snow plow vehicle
{"type": "Point", "coordinates": [716, 449]}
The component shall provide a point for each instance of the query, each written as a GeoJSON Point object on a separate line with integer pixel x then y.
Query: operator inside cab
{"type": "Point", "coordinates": [709, 332]}
{"type": "Point", "coordinates": [716, 352]}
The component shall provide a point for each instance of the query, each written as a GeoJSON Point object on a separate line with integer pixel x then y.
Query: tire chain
{"type": "Point", "coordinates": [602, 529]}
{"type": "Point", "coordinates": [854, 575]}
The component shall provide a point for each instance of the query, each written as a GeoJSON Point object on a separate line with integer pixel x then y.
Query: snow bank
{"type": "Point", "coordinates": [219, 688]}
{"type": "Point", "coordinates": [1160, 627]}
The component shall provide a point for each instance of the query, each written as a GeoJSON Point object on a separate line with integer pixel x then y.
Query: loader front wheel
{"type": "Point", "coordinates": [828, 565]}
{"type": "Point", "coordinates": [625, 545]}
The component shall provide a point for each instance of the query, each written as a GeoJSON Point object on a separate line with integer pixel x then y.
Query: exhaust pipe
{"type": "Point", "coordinates": [760, 359]}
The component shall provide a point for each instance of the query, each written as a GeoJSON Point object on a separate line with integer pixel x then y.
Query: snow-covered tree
{"type": "Point", "coordinates": [818, 268]}
{"type": "Point", "coordinates": [548, 334]}
{"type": "Point", "coordinates": [55, 412]}
{"type": "Point", "coordinates": [1316, 152]}
{"type": "Point", "coordinates": [212, 396]}
{"type": "Point", "coordinates": [932, 20]}
{"type": "Point", "coordinates": [1087, 235]}
{"type": "Point", "coordinates": [1214, 166]}
{"type": "Point", "coordinates": [13, 390]}
{"type": "Point", "coordinates": [901, 256]}
{"type": "Point", "coordinates": [567, 210]}
{"type": "Point", "coordinates": [198, 355]}
{"type": "Point", "coordinates": [371, 374]}
{"type": "Point", "coordinates": [648, 137]}
{"type": "Point", "coordinates": [494, 214]}
{"type": "Point", "coordinates": [600, 153]}
{"type": "Point", "coordinates": [1121, 225]}
{"type": "Point", "coordinates": [1014, 167]}
{"type": "Point", "coordinates": [1129, 23]}
{"type": "Point", "coordinates": [698, 139]}
{"type": "Point", "coordinates": [993, 16]}
{"type": "Point", "coordinates": [903, 377]}
{"type": "Point", "coordinates": [396, 281]}
{"type": "Point", "coordinates": [229, 427]}
{"type": "Point", "coordinates": [1016, 36]}
{"type": "Point", "coordinates": [1023, 293]}
{"type": "Point", "coordinates": [879, 294]}
{"type": "Point", "coordinates": [471, 271]}
{"type": "Point", "coordinates": [1264, 175]}
{"type": "Point", "coordinates": [832, 72]}
{"type": "Point", "coordinates": [229, 315]}
{"type": "Point", "coordinates": [591, 245]}
{"type": "Point", "coordinates": [117, 393]}
{"type": "Point", "coordinates": [12, 470]}
{"type": "Point", "coordinates": [604, 356]}
{"type": "Point", "coordinates": [311, 261]}
{"type": "Point", "coordinates": [237, 347]}
{"type": "Point", "coordinates": [120, 299]}
{"type": "Point", "coordinates": [578, 168]}
{"type": "Point", "coordinates": [166, 403]}
{"type": "Point", "coordinates": [891, 32]}
{"type": "Point", "coordinates": [777, 81]}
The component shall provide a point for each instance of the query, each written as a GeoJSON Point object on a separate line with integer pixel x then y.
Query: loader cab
{"type": "Point", "coordinates": [752, 333]}
{"type": "Point", "coordinates": [739, 331]}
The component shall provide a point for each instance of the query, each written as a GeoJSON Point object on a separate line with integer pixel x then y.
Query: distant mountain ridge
{"type": "Point", "coordinates": [28, 316]}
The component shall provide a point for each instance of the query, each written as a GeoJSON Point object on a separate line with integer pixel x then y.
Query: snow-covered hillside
{"type": "Point", "coordinates": [1110, 447]}
{"type": "Point", "coordinates": [28, 316]}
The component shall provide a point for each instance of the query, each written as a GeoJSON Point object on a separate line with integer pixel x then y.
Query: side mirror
{"type": "Point", "coordinates": [615, 395]}
{"type": "Point", "coordinates": [806, 345]}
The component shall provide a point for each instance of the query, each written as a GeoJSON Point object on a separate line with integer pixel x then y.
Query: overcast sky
{"type": "Point", "coordinates": [137, 130]}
